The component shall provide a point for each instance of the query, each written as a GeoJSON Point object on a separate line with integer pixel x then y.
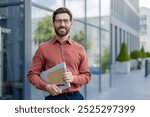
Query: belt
{"type": "Point", "coordinates": [69, 93]}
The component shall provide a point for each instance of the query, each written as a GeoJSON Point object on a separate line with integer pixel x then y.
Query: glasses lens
{"type": "Point", "coordinates": [66, 21]}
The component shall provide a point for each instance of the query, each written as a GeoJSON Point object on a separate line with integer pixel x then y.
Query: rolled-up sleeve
{"type": "Point", "coordinates": [84, 75]}
{"type": "Point", "coordinates": [36, 67]}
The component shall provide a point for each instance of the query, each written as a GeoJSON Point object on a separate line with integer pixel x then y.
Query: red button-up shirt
{"type": "Point", "coordinates": [53, 52]}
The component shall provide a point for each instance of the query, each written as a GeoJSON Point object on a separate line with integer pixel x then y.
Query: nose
{"type": "Point", "coordinates": [62, 23]}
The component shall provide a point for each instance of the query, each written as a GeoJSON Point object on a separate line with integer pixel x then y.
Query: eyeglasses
{"type": "Point", "coordinates": [59, 21]}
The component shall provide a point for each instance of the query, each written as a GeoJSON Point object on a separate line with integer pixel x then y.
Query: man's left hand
{"type": "Point", "coordinates": [68, 77]}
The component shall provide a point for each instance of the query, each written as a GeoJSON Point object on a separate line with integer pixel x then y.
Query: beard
{"type": "Point", "coordinates": [61, 31]}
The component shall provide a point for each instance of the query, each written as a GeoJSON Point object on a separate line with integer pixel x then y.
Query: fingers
{"type": "Point", "coordinates": [57, 89]}
{"type": "Point", "coordinates": [53, 89]}
{"type": "Point", "coordinates": [68, 77]}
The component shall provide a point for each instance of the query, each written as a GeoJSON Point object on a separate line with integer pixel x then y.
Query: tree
{"type": "Point", "coordinates": [123, 55]}
{"type": "Point", "coordinates": [44, 30]}
{"type": "Point", "coordinates": [80, 37]}
{"type": "Point", "coordinates": [105, 60]}
{"type": "Point", "coordinates": [143, 52]}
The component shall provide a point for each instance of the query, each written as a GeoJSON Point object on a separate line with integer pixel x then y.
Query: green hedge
{"type": "Point", "coordinates": [123, 55]}
{"type": "Point", "coordinates": [135, 54]}
{"type": "Point", "coordinates": [148, 54]}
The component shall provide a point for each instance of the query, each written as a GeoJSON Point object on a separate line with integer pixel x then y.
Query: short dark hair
{"type": "Point", "coordinates": [62, 10]}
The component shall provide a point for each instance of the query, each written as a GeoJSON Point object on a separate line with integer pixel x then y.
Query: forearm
{"type": "Point", "coordinates": [82, 79]}
{"type": "Point", "coordinates": [37, 81]}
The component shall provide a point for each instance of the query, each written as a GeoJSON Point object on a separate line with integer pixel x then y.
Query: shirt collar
{"type": "Point", "coordinates": [56, 40]}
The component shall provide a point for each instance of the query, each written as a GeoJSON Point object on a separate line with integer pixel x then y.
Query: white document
{"type": "Point", "coordinates": [55, 75]}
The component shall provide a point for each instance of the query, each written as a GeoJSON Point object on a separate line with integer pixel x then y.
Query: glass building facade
{"type": "Point", "coordinates": [21, 22]}
{"type": "Point", "coordinates": [15, 49]}
{"type": "Point", "coordinates": [124, 26]}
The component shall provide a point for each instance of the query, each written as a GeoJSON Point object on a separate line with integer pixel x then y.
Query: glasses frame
{"type": "Point", "coordinates": [65, 21]}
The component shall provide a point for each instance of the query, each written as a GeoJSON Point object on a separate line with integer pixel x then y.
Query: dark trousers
{"type": "Point", "coordinates": [66, 96]}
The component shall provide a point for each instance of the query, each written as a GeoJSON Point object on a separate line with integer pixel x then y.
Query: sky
{"type": "Point", "coordinates": [145, 3]}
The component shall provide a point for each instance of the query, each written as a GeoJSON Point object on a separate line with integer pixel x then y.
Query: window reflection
{"type": "Point", "coordinates": [11, 52]}
{"type": "Point", "coordinates": [93, 12]}
{"type": "Point", "coordinates": [52, 4]}
{"type": "Point", "coordinates": [42, 28]}
{"type": "Point", "coordinates": [77, 8]}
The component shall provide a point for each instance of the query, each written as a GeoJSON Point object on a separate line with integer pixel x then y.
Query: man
{"type": "Point", "coordinates": [61, 48]}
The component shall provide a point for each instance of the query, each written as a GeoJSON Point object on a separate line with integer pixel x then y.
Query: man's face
{"type": "Point", "coordinates": [62, 24]}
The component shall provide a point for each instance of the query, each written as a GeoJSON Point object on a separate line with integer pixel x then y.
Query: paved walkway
{"type": "Point", "coordinates": [132, 86]}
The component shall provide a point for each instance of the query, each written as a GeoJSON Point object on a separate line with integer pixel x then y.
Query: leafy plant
{"type": "Point", "coordinates": [135, 54]}
{"type": "Point", "coordinates": [123, 54]}
{"type": "Point", "coordinates": [105, 60]}
{"type": "Point", "coordinates": [79, 37]}
{"type": "Point", "coordinates": [148, 54]}
{"type": "Point", "coordinates": [143, 52]}
{"type": "Point", "coordinates": [44, 30]}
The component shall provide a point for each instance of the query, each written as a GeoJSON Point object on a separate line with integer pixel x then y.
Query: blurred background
{"type": "Point", "coordinates": [101, 26]}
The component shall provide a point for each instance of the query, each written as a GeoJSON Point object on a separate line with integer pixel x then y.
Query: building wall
{"type": "Point", "coordinates": [144, 28]}
{"type": "Point", "coordinates": [12, 54]}
{"type": "Point", "coordinates": [124, 25]}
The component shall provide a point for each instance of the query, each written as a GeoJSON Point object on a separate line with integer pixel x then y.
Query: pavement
{"type": "Point", "coordinates": [131, 86]}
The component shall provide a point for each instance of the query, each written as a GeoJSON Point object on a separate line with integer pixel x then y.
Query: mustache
{"type": "Point", "coordinates": [62, 27]}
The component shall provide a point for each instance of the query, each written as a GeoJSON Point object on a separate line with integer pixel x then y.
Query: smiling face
{"type": "Point", "coordinates": [62, 24]}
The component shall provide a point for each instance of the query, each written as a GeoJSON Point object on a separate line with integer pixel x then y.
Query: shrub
{"type": "Point", "coordinates": [148, 54]}
{"type": "Point", "coordinates": [105, 60]}
{"type": "Point", "coordinates": [123, 55]}
{"type": "Point", "coordinates": [143, 52]}
{"type": "Point", "coordinates": [135, 54]}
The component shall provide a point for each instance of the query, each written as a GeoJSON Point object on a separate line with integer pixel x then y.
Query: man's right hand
{"type": "Point", "coordinates": [53, 89]}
